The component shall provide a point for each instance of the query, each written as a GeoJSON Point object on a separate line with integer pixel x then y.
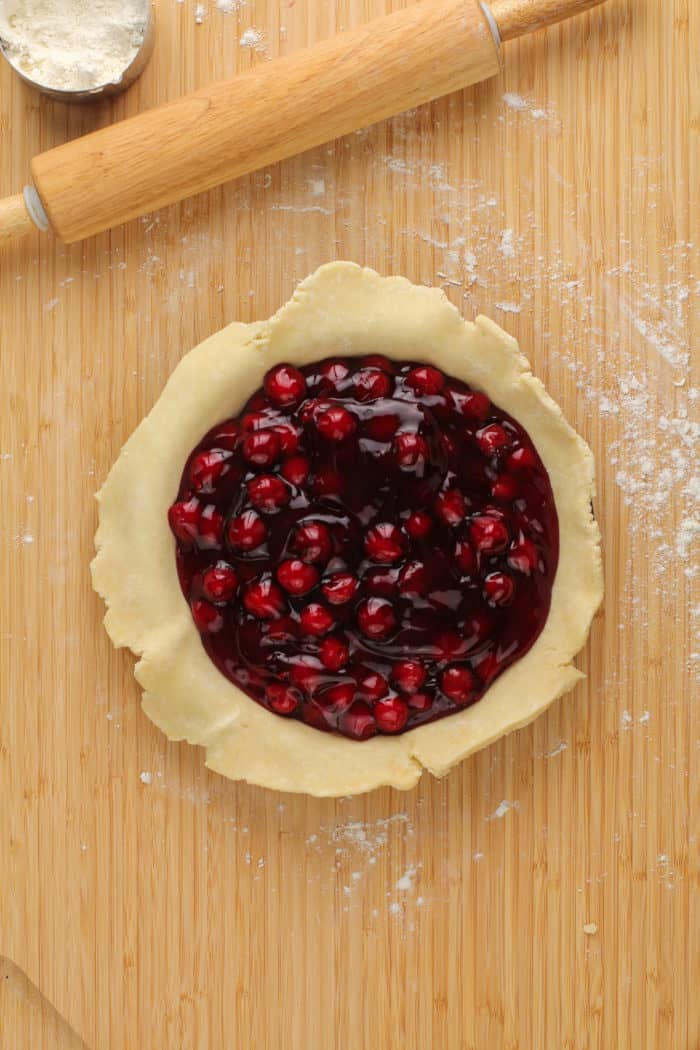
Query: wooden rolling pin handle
{"type": "Point", "coordinates": [515, 18]}
{"type": "Point", "coordinates": [21, 214]}
{"type": "Point", "coordinates": [15, 220]}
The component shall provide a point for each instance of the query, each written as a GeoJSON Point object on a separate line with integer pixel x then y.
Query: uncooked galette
{"type": "Point", "coordinates": [351, 542]}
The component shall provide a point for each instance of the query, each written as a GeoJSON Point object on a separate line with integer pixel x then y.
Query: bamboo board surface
{"type": "Point", "coordinates": [547, 892]}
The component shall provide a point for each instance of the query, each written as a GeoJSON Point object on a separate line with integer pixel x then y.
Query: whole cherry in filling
{"type": "Point", "coordinates": [367, 546]}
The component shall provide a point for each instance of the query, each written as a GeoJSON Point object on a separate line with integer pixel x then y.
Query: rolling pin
{"type": "Point", "coordinates": [257, 118]}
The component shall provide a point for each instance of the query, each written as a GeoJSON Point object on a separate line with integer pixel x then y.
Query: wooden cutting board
{"type": "Point", "coordinates": [546, 893]}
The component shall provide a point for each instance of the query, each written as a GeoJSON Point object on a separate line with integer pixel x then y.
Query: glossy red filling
{"type": "Point", "coordinates": [367, 546]}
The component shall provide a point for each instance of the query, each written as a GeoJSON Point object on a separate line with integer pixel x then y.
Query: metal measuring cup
{"type": "Point", "coordinates": [114, 87]}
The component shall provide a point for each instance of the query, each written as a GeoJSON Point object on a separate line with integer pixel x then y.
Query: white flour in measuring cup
{"type": "Point", "coordinates": [72, 45]}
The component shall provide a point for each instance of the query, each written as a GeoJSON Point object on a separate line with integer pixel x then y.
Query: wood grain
{"type": "Point", "coordinates": [189, 912]}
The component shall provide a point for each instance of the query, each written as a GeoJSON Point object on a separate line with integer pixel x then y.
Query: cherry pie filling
{"type": "Point", "coordinates": [367, 546]}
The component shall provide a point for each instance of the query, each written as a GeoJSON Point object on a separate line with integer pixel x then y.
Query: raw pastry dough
{"type": "Point", "coordinates": [341, 309]}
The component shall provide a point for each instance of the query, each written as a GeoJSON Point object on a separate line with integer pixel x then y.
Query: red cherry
{"type": "Point", "coordinates": [492, 439]}
{"type": "Point", "coordinates": [358, 721]}
{"type": "Point", "coordinates": [297, 577]}
{"type": "Point", "coordinates": [464, 558]}
{"type": "Point", "coordinates": [381, 581]}
{"type": "Point", "coordinates": [313, 542]}
{"type": "Point", "coordinates": [523, 556]}
{"type": "Point", "coordinates": [246, 531]}
{"type": "Point", "coordinates": [333, 374]}
{"type": "Point", "coordinates": [475, 406]}
{"type": "Point", "coordinates": [219, 583]}
{"type": "Point", "coordinates": [458, 683]}
{"type": "Point", "coordinates": [328, 482]}
{"type": "Point", "coordinates": [285, 386]}
{"type": "Point", "coordinates": [184, 520]}
{"type": "Point", "coordinates": [371, 384]}
{"type": "Point", "coordinates": [488, 535]}
{"type": "Point", "coordinates": [282, 698]}
{"type": "Point", "coordinates": [381, 428]}
{"type": "Point", "coordinates": [376, 618]}
{"type": "Point", "coordinates": [268, 493]}
{"type": "Point", "coordinates": [522, 459]}
{"type": "Point", "coordinates": [450, 506]}
{"type": "Point", "coordinates": [315, 619]}
{"type": "Point", "coordinates": [384, 542]}
{"type": "Point", "coordinates": [335, 423]}
{"type": "Point", "coordinates": [295, 470]}
{"type": "Point", "coordinates": [261, 448]}
{"type": "Point", "coordinates": [305, 673]}
{"type": "Point", "coordinates": [225, 436]}
{"type": "Point", "coordinates": [254, 421]}
{"type": "Point", "coordinates": [425, 380]}
{"type": "Point", "coordinates": [498, 588]}
{"type": "Point", "coordinates": [504, 489]}
{"type": "Point", "coordinates": [283, 630]}
{"type": "Point", "coordinates": [207, 468]}
{"type": "Point", "coordinates": [409, 675]}
{"type": "Point", "coordinates": [316, 717]}
{"type": "Point", "coordinates": [413, 578]}
{"type": "Point", "coordinates": [338, 697]}
{"type": "Point", "coordinates": [211, 528]}
{"type": "Point", "coordinates": [288, 436]}
{"type": "Point", "coordinates": [264, 599]}
{"type": "Point", "coordinates": [391, 714]}
{"type": "Point", "coordinates": [308, 410]}
{"type": "Point", "coordinates": [333, 653]}
{"type": "Point", "coordinates": [378, 361]}
{"type": "Point", "coordinates": [418, 524]}
{"type": "Point", "coordinates": [411, 451]}
{"type": "Point", "coordinates": [420, 701]}
{"type": "Point", "coordinates": [207, 618]}
{"type": "Point", "coordinates": [339, 588]}
{"type": "Point", "coordinates": [371, 685]}
{"type": "Point", "coordinates": [488, 668]}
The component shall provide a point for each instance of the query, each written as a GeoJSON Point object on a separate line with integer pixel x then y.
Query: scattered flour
{"type": "Point", "coordinates": [254, 40]}
{"type": "Point", "coordinates": [200, 13]}
{"type": "Point", "coordinates": [506, 246]}
{"type": "Point", "coordinates": [229, 7]}
{"type": "Point", "coordinates": [145, 777]}
{"type": "Point", "coordinates": [502, 808]}
{"type": "Point", "coordinates": [407, 880]}
{"type": "Point", "coordinates": [556, 749]}
{"type": "Point", "coordinates": [366, 838]}
{"type": "Point", "coordinates": [526, 107]}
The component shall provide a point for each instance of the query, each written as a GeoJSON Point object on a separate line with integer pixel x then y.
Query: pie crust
{"type": "Point", "coordinates": [341, 309]}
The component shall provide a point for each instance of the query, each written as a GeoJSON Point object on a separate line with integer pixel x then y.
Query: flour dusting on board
{"type": "Point", "coordinates": [367, 838]}
{"type": "Point", "coordinates": [254, 40]}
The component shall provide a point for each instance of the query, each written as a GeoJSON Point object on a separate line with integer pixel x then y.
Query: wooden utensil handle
{"type": "Point", "coordinates": [517, 17]}
{"type": "Point", "coordinates": [284, 107]}
{"type": "Point", "coordinates": [15, 220]}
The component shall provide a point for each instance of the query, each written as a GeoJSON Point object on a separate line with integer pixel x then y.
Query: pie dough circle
{"type": "Point", "coordinates": [341, 309]}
